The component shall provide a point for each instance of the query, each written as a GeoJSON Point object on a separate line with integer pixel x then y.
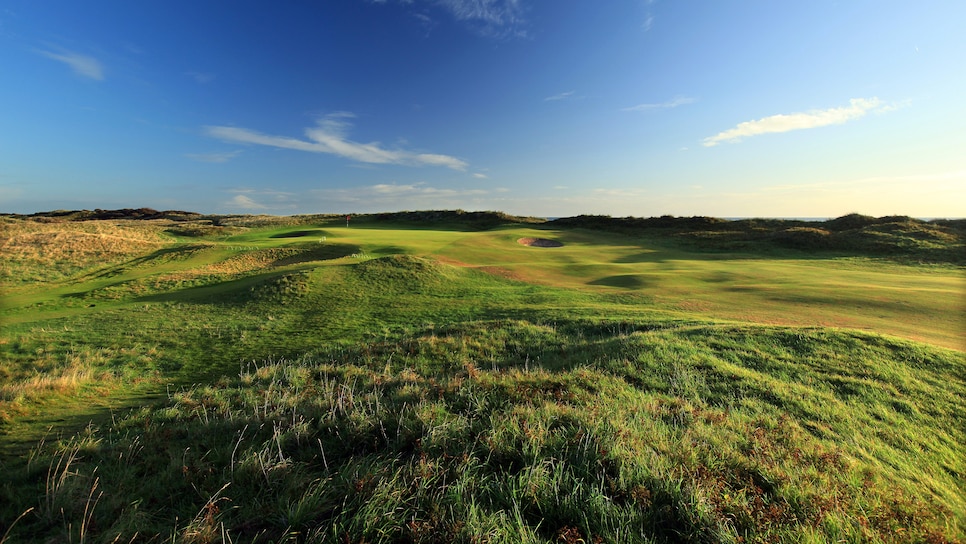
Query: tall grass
{"type": "Point", "coordinates": [36, 251]}
{"type": "Point", "coordinates": [515, 431]}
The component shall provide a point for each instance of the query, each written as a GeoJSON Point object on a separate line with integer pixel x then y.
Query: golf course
{"type": "Point", "coordinates": [454, 376]}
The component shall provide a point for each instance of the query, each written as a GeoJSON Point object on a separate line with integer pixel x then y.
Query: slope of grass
{"type": "Point", "coordinates": [439, 382]}
{"type": "Point", "coordinates": [515, 431]}
{"type": "Point", "coordinates": [922, 302]}
{"type": "Point", "coordinates": [43, 252]}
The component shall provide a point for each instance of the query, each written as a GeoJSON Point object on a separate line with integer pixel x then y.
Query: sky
{"type": "Point", "coordinates": [551, 108]}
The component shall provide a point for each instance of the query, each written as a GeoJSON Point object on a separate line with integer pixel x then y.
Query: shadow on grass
{"type": "Point", "coordinates": [300, 233]}
{"type": "Point", "coordinates": [625, 281]}
{"type": "Point", "coordinates": [168, 253]}
{"type": "Point", "coordinates": [245, 289]}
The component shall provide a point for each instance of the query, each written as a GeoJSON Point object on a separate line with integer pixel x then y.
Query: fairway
{"type": "Point", "coordinates": [906, 301]}
{"type": "Point", "coordinates": [919, 303]}
{"type": "Point", "coordinates": [644, 365]}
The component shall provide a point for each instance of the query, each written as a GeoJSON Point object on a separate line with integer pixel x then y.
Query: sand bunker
{"type": "Point", "coordinates": [539, 242]}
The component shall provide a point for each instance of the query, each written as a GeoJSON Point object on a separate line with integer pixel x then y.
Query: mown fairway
{"type": "Point", "coordinates": [436, 381]}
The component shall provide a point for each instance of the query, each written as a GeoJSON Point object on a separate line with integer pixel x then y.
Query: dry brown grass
{"type": "Point", "coordinates": [42, 251]}
{"type": "Point", "coordinates": [52, 378]}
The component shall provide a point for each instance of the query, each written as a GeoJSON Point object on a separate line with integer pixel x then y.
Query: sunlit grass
{"type": "Point", "coordinates": [386, 383]}
{"type": "Point", "coordinates": [580, 430]}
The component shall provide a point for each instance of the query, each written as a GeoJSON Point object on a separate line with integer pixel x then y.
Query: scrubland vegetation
{"type": "Point", "coordinates": [423, 377]}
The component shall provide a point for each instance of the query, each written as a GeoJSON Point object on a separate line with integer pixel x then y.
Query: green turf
{"type": "Point", "coordinates": [438, 381]}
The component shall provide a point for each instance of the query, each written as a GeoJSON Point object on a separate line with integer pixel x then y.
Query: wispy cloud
{"type": "Point", "coordinates": [857, 108]}
{"type": "Point", "coordinates": [492, 18]}
{"type": "Point", "coordinates": [213, 157]}
{"type": "Point", "coordinates": [247, 198]}
{"type": "Point", "coordinates": [244, 202]}
{"type": "Point", "coordinates": [82, 65]}
{"type": "Point", "coordinates": [426, 22]}
{"type": "Point", "coordinates": [561, 96]}
{"type": "Point", "coordinates": [329, 136]}
{"type": "Point", "coordinates": [385, 196]}
{"type": "Point", "coordinates": [201, 77]}
{"type": "Point", "coordinates": [421, 189]}
{"type": "Point", "coordinates": [673, 103]}
{"type": "Point", "coordinates": [496, 17]}
{"type": "Point", "coordinates": [480, 175]}
{"type": "Point", "coordinates": [648, 23]}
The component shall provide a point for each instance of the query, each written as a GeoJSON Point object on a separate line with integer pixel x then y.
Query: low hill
{"type": "Point", "coordinates": [894, 236]}
{"type": "Point", "coordinates": [145, 214]}
{"type": "Point", "coordinates": [899, 237]}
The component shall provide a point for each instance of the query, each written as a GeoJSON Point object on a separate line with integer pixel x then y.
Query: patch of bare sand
{"type": "Point", "coordinates": [539, 242]}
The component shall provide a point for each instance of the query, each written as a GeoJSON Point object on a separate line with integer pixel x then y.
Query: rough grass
{"type": "Point", "coordinates": [32, 251]}
{"type": "Point", "coordinates": [446, 384]}
{"type": "Point", "coordinates": [524, 432]}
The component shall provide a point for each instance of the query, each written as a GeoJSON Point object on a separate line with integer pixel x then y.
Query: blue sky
{"type": "Point", "coordinates": [535, 107]}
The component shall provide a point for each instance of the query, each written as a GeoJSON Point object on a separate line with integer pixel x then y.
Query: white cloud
{"type": "Point", "coordinates": [479, 175]}
{"type": "Point", "coordinates": [82, 65]}
{"type": "Point", "coordinates": [561, 96]}
{"type": "Point", "coordinates": [433, 159]}
{"type": "Point", "coordinates": [244, 202]}
{"type": "Point", "coordinates": [673, 103]}
{"type": "Point", "coordinates": [857, 108]}
{"type": "Point", "coordinates": [393, 189]}
{"type": "Point", "coordinates": [392, 196]}
{"type": "Point", "coordinates": [266, 199]}
{"type": "Point", "coordinates": [213, 157]}
{"type": "Point", "coordinates": [329, 136]}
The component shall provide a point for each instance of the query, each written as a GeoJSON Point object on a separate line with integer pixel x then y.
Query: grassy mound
{"type": "Point", "coordinates": [400, 272]}
{"type": "Point", "coordinates": [515, 431]}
